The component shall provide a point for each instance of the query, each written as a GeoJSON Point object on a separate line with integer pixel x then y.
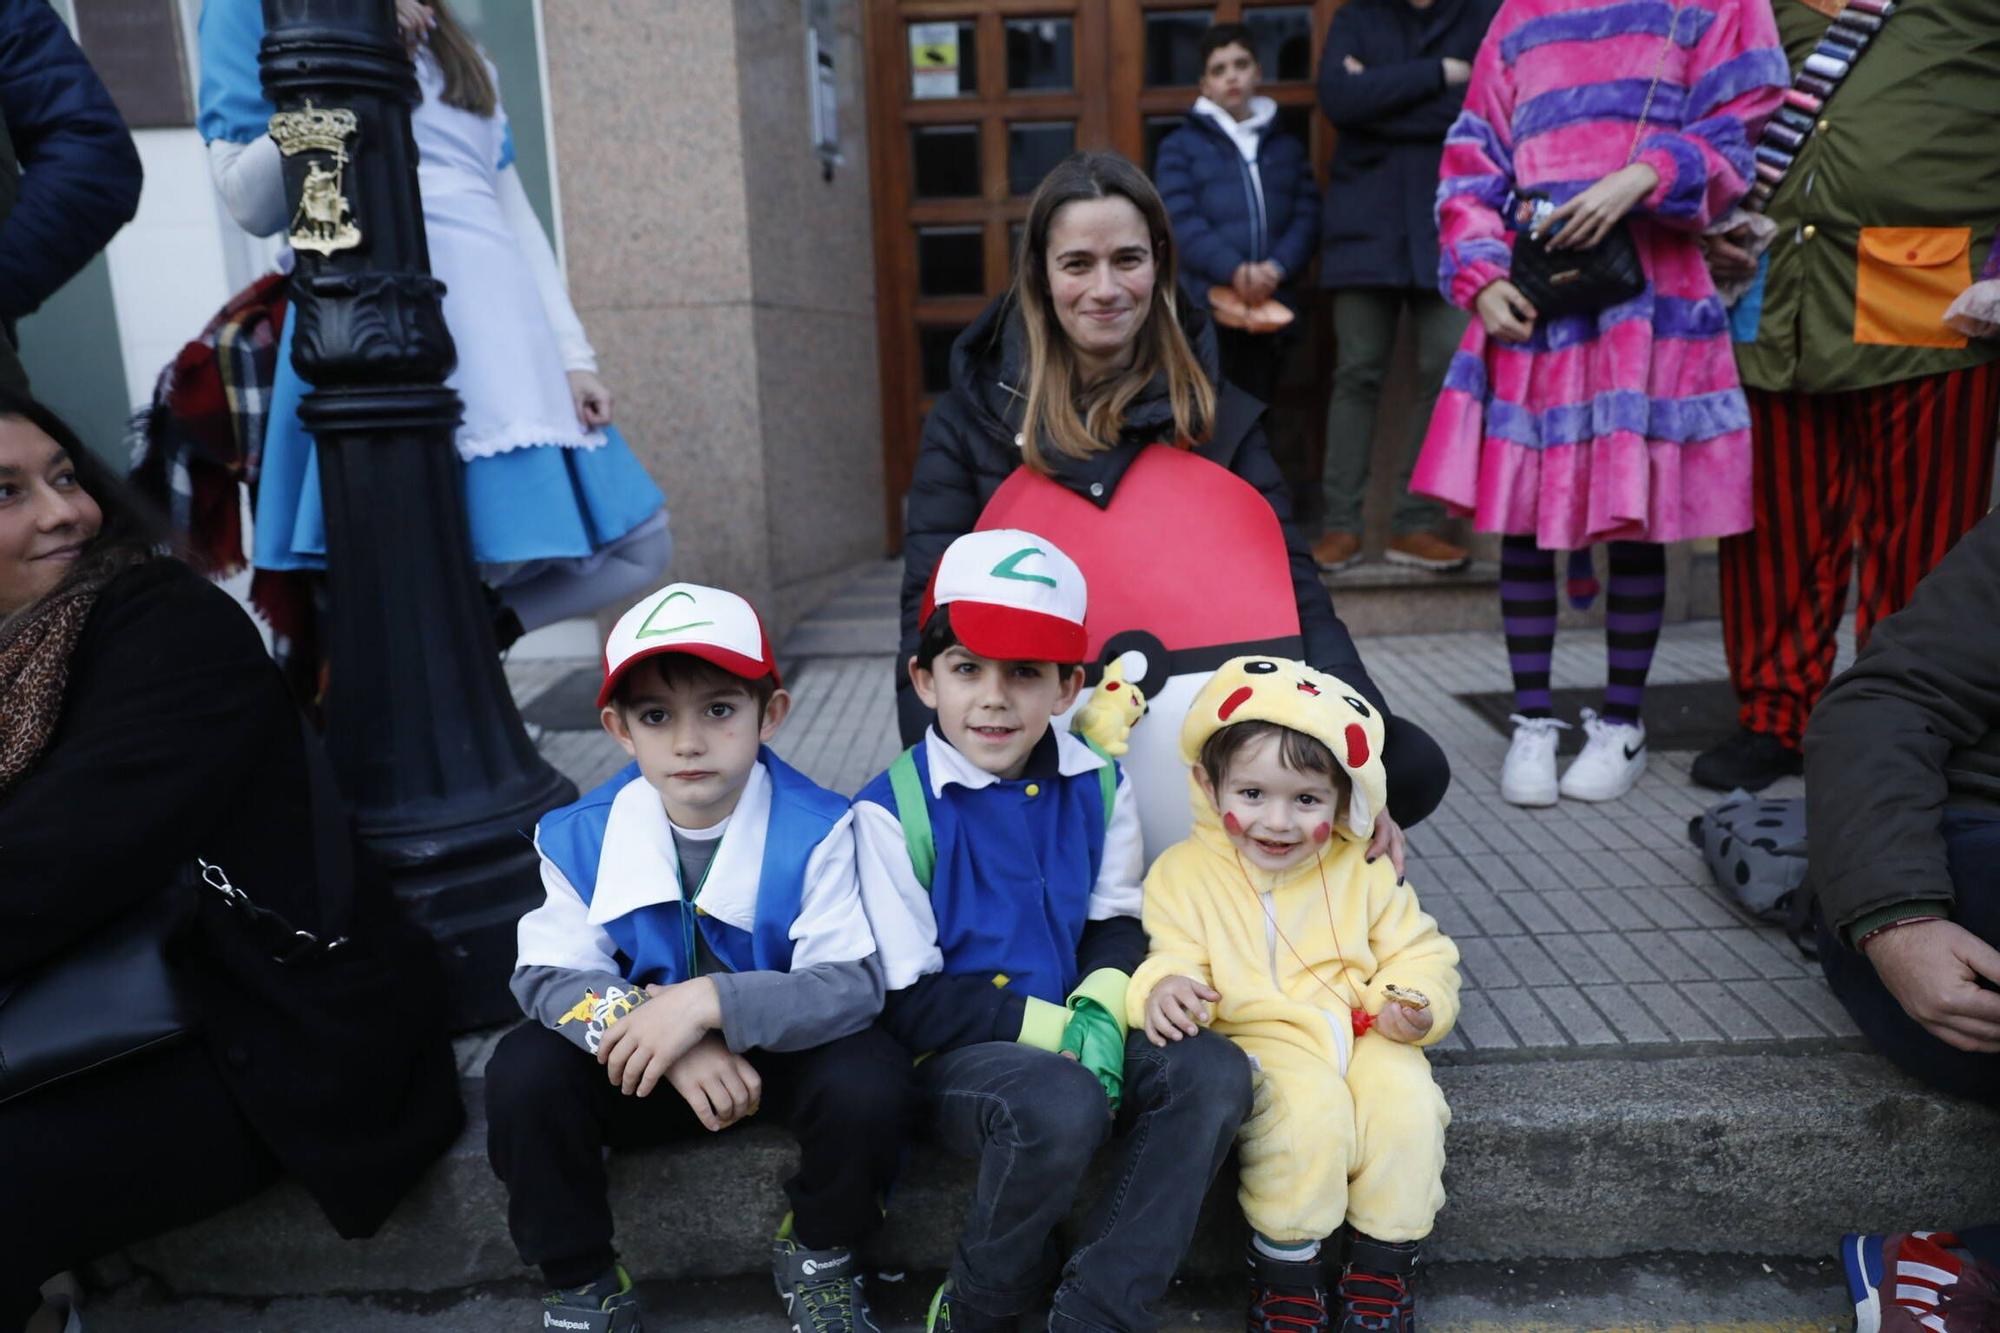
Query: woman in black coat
{"type": "Point", "coordinates": [142, 726]}
{"type": "Point", "coordinates": [1093, 356]}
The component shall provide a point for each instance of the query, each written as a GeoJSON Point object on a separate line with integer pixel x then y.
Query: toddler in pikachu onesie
{"type": "Point", "coordinates": [1270, 926]}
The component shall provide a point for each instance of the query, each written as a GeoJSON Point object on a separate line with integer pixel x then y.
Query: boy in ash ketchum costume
{"type": "Point", "coordinates": [1000, 864]}
{"type": "Point", "coordinates": [702, 953]}
{"type": "Point", "coordinates": [1271, 926]}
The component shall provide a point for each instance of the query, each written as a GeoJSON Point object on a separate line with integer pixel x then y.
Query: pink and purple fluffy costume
{"type": "Point", "coordinates": [1629, 424]}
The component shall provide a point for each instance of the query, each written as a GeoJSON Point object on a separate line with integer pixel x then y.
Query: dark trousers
{"type": "Point", "coordinates": [551, 1112]}
{"type": "Point", "coordinates": [1879, 481]}
{"type": "Point", "coordinates": [1251, 361]}
{"type": "Point", "coordinates": [110, 1158]}
{"type": "Point", "coordinates": [1034, 1121]}
{"type": "Point", "coordinates": [1972, 844]}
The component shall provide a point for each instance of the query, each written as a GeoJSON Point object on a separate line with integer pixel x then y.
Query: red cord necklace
{"type": "Point", "coordinates": [1360, 1018]}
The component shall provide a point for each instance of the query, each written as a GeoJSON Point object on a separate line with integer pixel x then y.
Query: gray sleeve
{"type": "Point", "coordinates": [579, 1004]}
{"type": "Point", "coordinates": [794, 1011]}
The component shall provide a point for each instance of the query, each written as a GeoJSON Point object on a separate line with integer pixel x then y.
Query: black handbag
{"type": "Point", "coordinates": [1577, 282]}
{"type": "Point", "coordinates": [115, 995]}
{"type": "Point", "coordinates": [1582, 282]}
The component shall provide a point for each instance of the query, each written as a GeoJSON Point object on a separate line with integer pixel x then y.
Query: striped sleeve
{"type": "Point", "coordinates": [1736, 78]}
{"type": "Point", "coordinates": [1475, 178]}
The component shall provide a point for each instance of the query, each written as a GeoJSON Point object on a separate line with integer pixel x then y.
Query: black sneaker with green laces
{"type": "Point", "coordinates": [822, 1289]}
{"type": "Point", "coordinates": [608, 1305]}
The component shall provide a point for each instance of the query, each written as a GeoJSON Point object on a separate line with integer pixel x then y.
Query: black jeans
{"type": "Point", "coordinates": [1034, 1120]}
{"type": "Point", "coordinates": [100, 1161]}
{"type": "Point", "coordinates": [551, 1112]}
{"type": "Point", "coordinates": [1972, 846]}
{"type": "Point", "coordinates": [1251, 361]}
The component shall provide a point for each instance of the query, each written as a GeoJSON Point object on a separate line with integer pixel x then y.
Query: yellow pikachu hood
{"type": "Point", "coordinates": [1292, 694]}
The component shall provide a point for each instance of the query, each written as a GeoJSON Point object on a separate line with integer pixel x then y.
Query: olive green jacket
{"type": "Point", "coordinates": [1889, 210]}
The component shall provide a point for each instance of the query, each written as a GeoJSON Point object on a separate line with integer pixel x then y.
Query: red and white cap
{"type": "Point", "coordinates": [1014, 597]}
{"type": "Point", "coordinates": [708, 623]}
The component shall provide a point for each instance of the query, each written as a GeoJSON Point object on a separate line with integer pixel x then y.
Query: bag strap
{"type": "Point", "coordinates": [1107, 777]}
{"type": "Point", "coordinates": [1659, 68]}
{"type": "Point", "coordinates": [333, 867]}
{"type": "Point", "coordinates": [914, 813]}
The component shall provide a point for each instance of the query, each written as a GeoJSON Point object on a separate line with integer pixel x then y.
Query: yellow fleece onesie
{"type": "Point", "coordinates": [1341, 1128]}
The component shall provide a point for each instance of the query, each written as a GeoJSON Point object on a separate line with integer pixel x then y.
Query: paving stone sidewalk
{"type": "Point", "coordinates": [1583, 929]}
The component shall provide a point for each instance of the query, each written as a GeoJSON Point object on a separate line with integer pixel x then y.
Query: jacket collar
{"type": "Point", "coordinates": [640, 867]}
{"type": "Point", "coordinates": [950, 768]}
{"type": "Point", "coordinates": [1246, 135]}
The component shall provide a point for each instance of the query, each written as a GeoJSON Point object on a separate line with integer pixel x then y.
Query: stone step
{"type": "Point", "coordinates": [1772, 1153]}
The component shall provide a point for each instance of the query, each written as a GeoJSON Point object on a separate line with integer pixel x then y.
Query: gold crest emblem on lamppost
{"type": "Point", "coordinates": [323, 222]}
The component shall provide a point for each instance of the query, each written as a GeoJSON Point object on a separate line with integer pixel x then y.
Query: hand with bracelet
{"type": "Point", "coordinates": [1934, 968]}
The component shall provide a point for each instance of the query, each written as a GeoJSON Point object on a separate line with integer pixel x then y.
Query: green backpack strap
{"type": "Point", "coordinates": [914, 813]}
{"type": "Point", "coordinates": [1107, 777]}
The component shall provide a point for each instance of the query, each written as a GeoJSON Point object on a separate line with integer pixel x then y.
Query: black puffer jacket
{"type": "Point", "coordinates": [969, 449]}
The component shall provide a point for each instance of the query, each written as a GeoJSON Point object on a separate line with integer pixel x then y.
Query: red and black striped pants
{"type": "Point", "coordinates": [1879, 482]}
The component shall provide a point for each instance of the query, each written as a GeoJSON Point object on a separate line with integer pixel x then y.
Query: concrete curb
{"type": "Point", "coordinates": [1767, 1154]}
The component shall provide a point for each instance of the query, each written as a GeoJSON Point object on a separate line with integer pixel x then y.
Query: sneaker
{"type": "Point", "coordinates": [1286, 1295]}
{"type": "Point", "coordinates": [1614, 755]}
{"type": "Point", "coordinates": [1528, 777]}
{"type": "Point", "coordinates": [1375, 1287]}
{"type": "Point", "coordinates": [608, 1305]}
{"type": "Point", "coordinates": [1752, 760]}
{"type": "Point", "coordinates": [949, 1314]}
{"type": "Point", "coordinates": [822, 1289]}
{"type": "Point", "coordinates": [1426, 550]}
{"type": "Point", "coordinates": [1335, 551]}
{"type": "Point", "coordinates": [1913, 1281]}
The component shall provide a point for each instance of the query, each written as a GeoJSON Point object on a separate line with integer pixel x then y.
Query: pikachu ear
{"type": "Point", "coordinates": [1116, 671]}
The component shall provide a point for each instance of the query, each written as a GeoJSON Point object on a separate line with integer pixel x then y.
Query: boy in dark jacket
{"type": "Point", "coordinates": [1243, 200]}
{"type": "Point", "coordinates": [702, 952]}
{"type": "Point", "coordinates": [1391, 80]}
{"type": "Point", "coordinates": [1000, 865]}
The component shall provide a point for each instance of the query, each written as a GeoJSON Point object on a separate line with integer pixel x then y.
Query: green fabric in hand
{"type": "Point", "coordinates": [1097, 1040]}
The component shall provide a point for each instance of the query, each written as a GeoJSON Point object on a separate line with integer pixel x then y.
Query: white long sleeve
{"type": "Point", "coordinates": [250, 177]}
{"type": "Point", "coordinates": [533, 243]}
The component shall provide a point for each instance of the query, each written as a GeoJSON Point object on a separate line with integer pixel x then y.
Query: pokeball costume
{"type": "Point", "coordinates": [1346, 1126]}
{"type": "Point", "coordinates": [1189, 552]}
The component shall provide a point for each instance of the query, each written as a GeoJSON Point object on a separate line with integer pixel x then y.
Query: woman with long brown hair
{"type": "Point", "coordinates": [1059, 391]}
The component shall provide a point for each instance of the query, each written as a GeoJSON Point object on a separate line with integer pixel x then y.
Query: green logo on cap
{"type": "Point", "coordinates": [646, 631]}
{"type": "Point", "coordinates": [1007, 569]}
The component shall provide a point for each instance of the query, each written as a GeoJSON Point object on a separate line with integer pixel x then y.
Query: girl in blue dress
{"type": "Point", "coordinates": [564, 518]}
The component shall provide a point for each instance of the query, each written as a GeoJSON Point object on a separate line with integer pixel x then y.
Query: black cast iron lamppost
{"type": "Point", "coordinates": [420, 725]}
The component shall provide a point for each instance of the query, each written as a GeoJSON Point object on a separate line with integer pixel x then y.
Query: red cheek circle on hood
{"type": "Point", "coordinates": [1232, 823]}
{"type": "Point", "coordinates": [1237, 698]}
{"type": "Point", "coordinates": [1357, 745]}
{"type": "Point", "coordinates": [1110, 685]}
{"type": "Point", "coordinates": [1323, 834]}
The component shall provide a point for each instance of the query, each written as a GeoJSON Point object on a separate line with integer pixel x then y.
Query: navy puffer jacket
{"type": "Point", "coordinates": [80, 172]}
{"type": "Point", "coordinates": [1222, 219]}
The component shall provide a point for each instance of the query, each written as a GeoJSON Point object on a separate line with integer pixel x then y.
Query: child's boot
{"type": "Point", "coordinates": [608, 1305]}
{"type": "Point", "coordinates": [1375, 1287]}
{"type": "Point", "coordinates": [822, 1289]}
{"type": "Point", "coordinates": [1286, 1295]}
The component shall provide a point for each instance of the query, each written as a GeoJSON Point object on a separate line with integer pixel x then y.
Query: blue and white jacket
{"type": "Point", "coordinates": [779, 908]}
{"type": "Point", "coordinates": [1033, 890]}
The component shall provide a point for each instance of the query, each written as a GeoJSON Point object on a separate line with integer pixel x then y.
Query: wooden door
{"type": "Point", "coordinates": [972, 101]}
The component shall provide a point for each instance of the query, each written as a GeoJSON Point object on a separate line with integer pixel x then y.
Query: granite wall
{"type": "Point", "coordinates": [729, 289]}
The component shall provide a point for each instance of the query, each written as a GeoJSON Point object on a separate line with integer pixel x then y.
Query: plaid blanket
{"type": "Point", "coordinates": [198, 446]}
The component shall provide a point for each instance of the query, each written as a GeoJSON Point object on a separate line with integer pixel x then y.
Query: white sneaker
{"type": "Point", "coordinates": [1529, 775]}
{"type": "Point", "coordinates": [1614, 755]}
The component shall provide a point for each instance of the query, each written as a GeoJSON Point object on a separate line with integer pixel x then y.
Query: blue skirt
{"type": "Point", "coordinates": [536, 503]}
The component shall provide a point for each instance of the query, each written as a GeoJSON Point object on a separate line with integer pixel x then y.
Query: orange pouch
{"type": "Point", "coordinates": [1904, 280]}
